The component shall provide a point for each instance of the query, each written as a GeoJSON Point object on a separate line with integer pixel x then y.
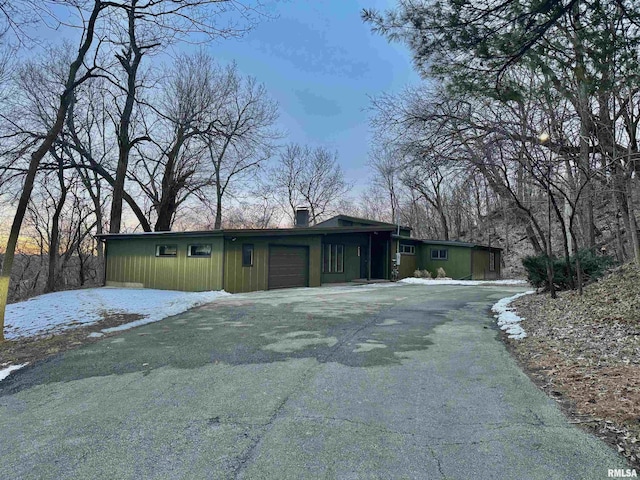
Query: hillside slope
{"type": "Point", "coordinates": [585, 353]}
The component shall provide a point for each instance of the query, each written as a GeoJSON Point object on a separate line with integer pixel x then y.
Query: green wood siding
{"type": "Point", "coordinates": [481, 265]}
{"type": "Point", "coordinates": [408, 263]}
{"type": "Point", "coordinates": [133, 262]}
{"type": "Point", "coordinates": [239, 279]}
{"type": "Point", "coordinates": [352, 261]}
{"type": "Point", "coordinates": [457, 265]}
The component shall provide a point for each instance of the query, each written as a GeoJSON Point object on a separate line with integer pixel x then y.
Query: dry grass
{"type": "Point", "coordinates": [34, 349]}
{"type": "Point", "coordinates": [585, 353]}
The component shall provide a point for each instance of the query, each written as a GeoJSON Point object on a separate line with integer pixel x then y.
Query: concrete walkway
{"type": "Point", "coordinates": [354, 382]}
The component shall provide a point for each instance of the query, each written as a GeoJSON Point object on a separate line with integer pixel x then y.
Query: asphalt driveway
{"type": "Point", "coordinates": [344, 382]}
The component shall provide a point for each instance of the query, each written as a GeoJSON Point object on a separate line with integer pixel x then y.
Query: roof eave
{"type": "Point", "coordinates": [363, 220]}
{"type": "Point", "coordinates": [241, 232]}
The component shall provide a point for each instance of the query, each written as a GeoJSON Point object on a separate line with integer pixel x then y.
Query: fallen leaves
{"type": "Point", "coordinates": [585, 353]}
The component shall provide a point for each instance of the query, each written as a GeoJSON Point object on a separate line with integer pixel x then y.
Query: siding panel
{"type": "Point", "coordinates": [133, 261]}
{"type": "Point", "coordinates": [457, 265]}
{"type": "Point", "coordinates": [352, 261]}
{"type": "Point", "coordinates": [246, 279]}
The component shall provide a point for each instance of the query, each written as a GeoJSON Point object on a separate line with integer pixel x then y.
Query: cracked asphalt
{"type": "Point", "coordinates": [351, 382]}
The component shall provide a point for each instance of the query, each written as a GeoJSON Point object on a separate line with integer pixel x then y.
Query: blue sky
{"type": "Point", "coordinates": [320, 62]}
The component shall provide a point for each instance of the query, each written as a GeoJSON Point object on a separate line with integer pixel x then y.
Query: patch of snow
{"type": "Point", "coordinates": [507, 318]}
{"type": "Point", "coordinates": [388, 322]}
{"type": "Point", "coordinates": [367, 347]}
{"type": "Point", "coordinates": [55, 312]}
{"type": "Point", "coordinates": [5, 372]}
{"type": "Point", "coordinates": [443, 281]}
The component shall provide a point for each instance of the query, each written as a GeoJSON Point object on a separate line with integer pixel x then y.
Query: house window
{"type": "Point", "coordinates": [199, 251]}
{"type": "Point", "coordinates": [166, 250]}
{"type": "Point", "coordinates": [439, 254]}
{"type": "Point", "coordinates": [247, 255]}
{"type": "Point", "coordinates": [408, 249]}
{"type": "Point", "coordinates": [332, 258]}
{"type": "Point", "coordinates": [492, 261]}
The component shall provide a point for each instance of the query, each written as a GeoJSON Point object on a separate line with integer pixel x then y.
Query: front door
{"type": "Point", "coordinates": [364, 265]}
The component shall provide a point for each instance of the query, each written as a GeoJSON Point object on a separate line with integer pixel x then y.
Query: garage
{"type": "Point", "coordinates": [288, 266]}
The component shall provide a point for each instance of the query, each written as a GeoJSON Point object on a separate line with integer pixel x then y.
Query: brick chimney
{"type": "Point", "coordinates": [302, 217]}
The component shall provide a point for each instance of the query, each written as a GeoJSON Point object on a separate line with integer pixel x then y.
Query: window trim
{"type": "Point", "coordinates": [438, 251]}
{"type": "Point", "coordinates": [159, 255]}
{"type": "Point", "coordinates": [492, 261]}
{"type": "Point", "coordinates": [248, 247]}
{"type": "Point", "coordinates": [208, 255]}
{"type": "Point", "coordinates": [407, 249]}
{"type": "Point", "coordinates": [335, 263]}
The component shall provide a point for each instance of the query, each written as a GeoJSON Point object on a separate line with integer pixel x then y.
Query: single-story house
{"type": "Point", "coordinates": [459, 260]}
{"type": "Point", "coordinates": [341, 249]}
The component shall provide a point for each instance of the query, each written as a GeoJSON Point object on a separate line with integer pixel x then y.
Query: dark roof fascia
{"type": "Point", "coordinates": [303, 231]}
{"type": "Point", "coordinates": [404, 237]}
{"type": "Point", "coordinates": [454, 243]}
{"type": "Point", "coordinates": [243, 232]}
{"type": "Point", "coordinates": [361, 220]}
{"type": "Point", "coordinates": [451, 243]}
{"type": "Point", "coordinates": [487, 247]}
{"type": "Point", "coordinates": [196, 233]}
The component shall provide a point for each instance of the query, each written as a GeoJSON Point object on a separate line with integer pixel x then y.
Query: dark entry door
{"type": "Point", "coordinates": [364, 260]}
{"type": "Point", "coordinates": [288, 266]}
{"type": "Point", "coordinates": [378, 256]}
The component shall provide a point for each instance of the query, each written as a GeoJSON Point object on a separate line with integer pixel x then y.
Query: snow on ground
{"type": "Point", "coordinates": [5, 372]}
{"type": "Point", "coordinates": [366, 286]}
{"type": "Point", "coordinates": [448, 281]}
{"type": "Point", "coordinates": [507, 318]}
{"type": "Point", "coordinates": [55, 312]}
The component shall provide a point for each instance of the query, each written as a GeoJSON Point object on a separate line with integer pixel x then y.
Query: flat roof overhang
{"type": "Point", "coordinates": [451, 243]}
{"type": "Point", "coordinates": [244, 232]}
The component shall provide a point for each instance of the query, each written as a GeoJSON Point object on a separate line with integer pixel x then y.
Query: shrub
{"type": "Point", "coordinates": [536, 268]}
{"type": "Point", "coordinates": [593, 267]}
{"type": "Point", "coordinates": [441, 273]}
{"type": "Point", "coordinates": [422, 274]}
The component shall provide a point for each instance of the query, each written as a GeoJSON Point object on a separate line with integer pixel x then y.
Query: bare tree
{"type": "Point", "coordinates": [566, 67]}
{"type": "Point", "coordinates": [242, 136]}
{"type": "Point", "coordinates": [73, 79]}
{"type": "Point", "coordinates": [134, 46]}
{"type": "Point", "coordinates": [145, 27]}
{"type": "Point", "coordinates": [309, 177]}
{"type": "Point", "coordinates": [175, 166]}
{"type": "Point", "coordinates": [431, 184]}
{"type": "Point", "coordinates": [172, 20]}
{"type": "Point", "coordinates": [372, 203]}
{"type": "Point", "coordinates": [387, 167]}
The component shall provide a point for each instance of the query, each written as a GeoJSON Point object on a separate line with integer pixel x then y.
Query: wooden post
{"type": "Point", "coordinates": [369, 260]}
{"type": "Point", "coordinates": [387, 259]}
{"type": "Point", "coordinates": [4, 292]}
{"type": "Point", "coordinates": [471, 264]}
